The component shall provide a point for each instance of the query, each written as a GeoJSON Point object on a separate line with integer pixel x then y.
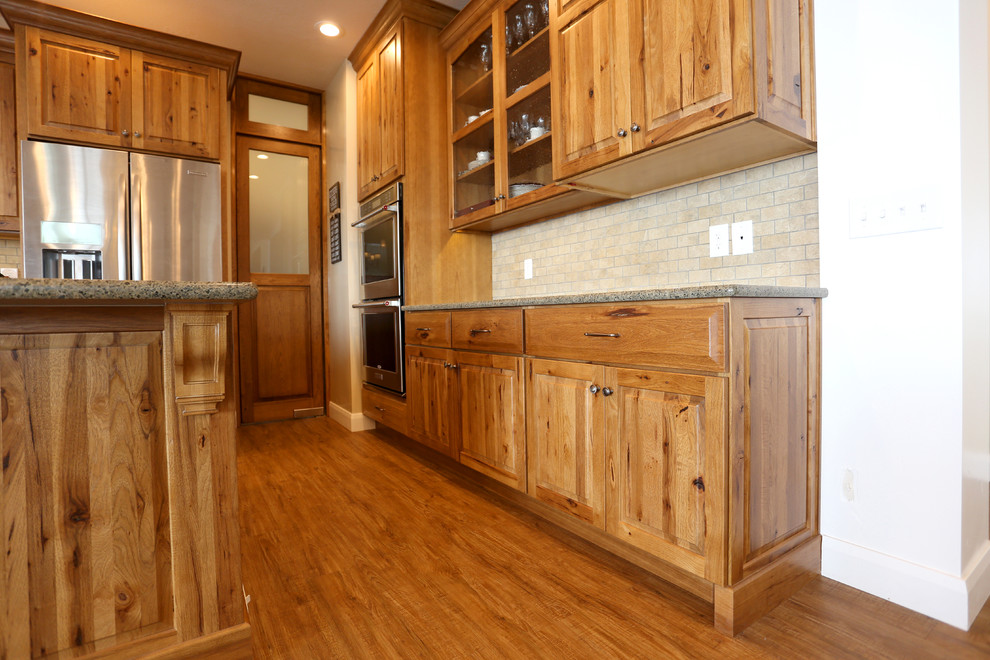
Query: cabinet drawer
{"type": "Point", "coordinates": [496, 330]}
{"type": "Point", "coordinates": [428, 328]}
{"type": "Point", "coordinates": [651, 334]}
{"type": "Point", "coordinates": [385, 409]}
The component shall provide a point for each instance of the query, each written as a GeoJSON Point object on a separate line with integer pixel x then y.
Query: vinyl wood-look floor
{"type": "Point", "coordinates": [354, 546]}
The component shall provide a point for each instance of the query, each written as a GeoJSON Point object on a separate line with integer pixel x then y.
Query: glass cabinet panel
{"type": "Point", "coordinates": [473, 128]}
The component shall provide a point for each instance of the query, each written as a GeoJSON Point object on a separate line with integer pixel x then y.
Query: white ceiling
{"type": "Point", "coordinates": [277, 38]}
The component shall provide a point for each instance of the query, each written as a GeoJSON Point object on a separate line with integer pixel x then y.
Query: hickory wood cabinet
{"type": "Point", "coordinates": [8, 138]}
{"type": "Point", "coordinates": [465, 391]}
{"type": "Point", "coordinates": [82, 90]}
{"type": "Point", "coordinates": [499, 118]}
{"type": "Point", "coordinates": [380, 115]}
{"type": "Point", "coordinates": [671, 92]}
{"type": "Point", "coordinates": [682, 435]}
{"type": "Point", "coordinates": [119, 483]}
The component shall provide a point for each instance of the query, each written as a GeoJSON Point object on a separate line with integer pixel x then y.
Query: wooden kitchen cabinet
{"type": "Point", "coordinates": [673, 92]}
{"type": "Point", "coordinates": [380, 116]}
{"type": "Point", "coordinates": [430, 397]}
{"type": "Point", "coordinates": [9, 201]}
{"type": "Point", "coordinates": [78, 89]}
{"type": "Point", "coordinates": [500, 123]}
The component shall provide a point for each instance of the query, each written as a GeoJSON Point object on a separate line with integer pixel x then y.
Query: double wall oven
{"type": "Point", "coordinates": [381, 289]}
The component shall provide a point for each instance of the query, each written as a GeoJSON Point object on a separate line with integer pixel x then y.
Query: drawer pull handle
{"type": "Point", "coordinates": [614, 335]}
{"type": "Point", "coordinates": [379, 409]}
{"type": "Point", "coordinates": [607, 391]}
{"type": "Point", "coordinates": [424, 329]}
{"type": "Point", "coordinates": [478, 332]}
{"type": "Point", "coordinates": [593, 389]}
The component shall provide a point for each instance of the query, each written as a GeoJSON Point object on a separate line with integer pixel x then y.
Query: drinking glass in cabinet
{"type": "Point", "coordinates": [471, 82]}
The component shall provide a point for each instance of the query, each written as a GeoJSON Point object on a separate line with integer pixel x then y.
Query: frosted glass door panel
{"type": "Point", "coordinates": [279, 213]}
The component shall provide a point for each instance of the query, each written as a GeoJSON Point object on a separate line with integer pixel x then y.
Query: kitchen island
{"type": "Point", "coordinates": [119, 489]}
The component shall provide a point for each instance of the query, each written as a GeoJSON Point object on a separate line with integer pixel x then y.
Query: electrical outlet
{"type": "Point", "coordinates": [742, 237]}
{"type": "Point", "coordinates": [8, 272]}
{"type": "Point", "coordinates": [718, 240]}
{"type": "Point", "coordinates": [528, 269]}
{"type": "Point", "coordinates": [849, 485]}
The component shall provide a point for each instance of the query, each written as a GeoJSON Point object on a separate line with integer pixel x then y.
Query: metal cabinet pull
{"type": "Point", "coordinates": [124, 133]}
{"type": "Point", "coordinates": [593, 389]}
{"type": "Point", "coordinates": [423, 329]}
{"type": "Point", "coordinates": [479, 331]}
{"type": "Point", "coordinates": [137, 134]}
{"type": "Point", "coordinates": [634, 128]}
{"type": "Point", "coordinates": [622, 132]}
{"type": "Point", "coordinates": [607, 391]}
{"type": "Point", "coordinates": [614, 335]}
{"type": "Point", "coordinates": [379, 409]}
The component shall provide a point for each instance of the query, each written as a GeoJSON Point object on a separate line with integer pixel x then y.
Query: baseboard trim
{"type": "Point", "coordinates": [352, 421]}
{"type": "Point", "coordinates": [947, 598]}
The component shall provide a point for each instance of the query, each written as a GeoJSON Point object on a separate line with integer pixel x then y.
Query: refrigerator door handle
{"type": "Point", "coordinates": [137, 219]}
{"type": "Point", "coordinates": [123, 231]}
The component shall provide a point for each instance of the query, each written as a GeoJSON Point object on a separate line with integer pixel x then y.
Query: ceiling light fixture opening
{"type": "Point", "coordinates": [328, 28]}
{"type": "Point", "coordinates": [262, 156]}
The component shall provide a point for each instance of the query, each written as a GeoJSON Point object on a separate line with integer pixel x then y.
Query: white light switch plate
{"type": "Point", "coordinates": [528, 269]}
{"type": "Point", "coordinates": [742, 237]}
{"type": "Point", "coordinates": [718, 240]}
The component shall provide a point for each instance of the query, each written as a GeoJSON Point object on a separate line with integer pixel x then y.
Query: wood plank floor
{"type": "Point", "coordinates": [355, 547]}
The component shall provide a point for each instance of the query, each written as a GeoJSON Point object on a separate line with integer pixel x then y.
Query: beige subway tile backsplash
{"type": "Point", "coordinates": [10, 254]}
{"type": "Point", "coordinates": [661, 239]}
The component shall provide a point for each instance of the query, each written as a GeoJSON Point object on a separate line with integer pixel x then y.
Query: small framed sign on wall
{"type": "Point", "coordinates": [335, 253]}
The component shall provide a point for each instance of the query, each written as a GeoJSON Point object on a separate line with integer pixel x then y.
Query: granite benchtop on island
{"type": "Point", "coordinates": [15, 290]}
{"type": "Point", "coordinates": [640, 295]}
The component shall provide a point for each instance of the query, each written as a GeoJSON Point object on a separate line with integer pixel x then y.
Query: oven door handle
{"type": "Point", "coordinates": [378, 217]}
{"type": "Point", "coordinates": [376, 303]}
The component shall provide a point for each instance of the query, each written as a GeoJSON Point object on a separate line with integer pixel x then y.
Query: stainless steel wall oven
{"type": "Point", "coordinates": [381, 290]}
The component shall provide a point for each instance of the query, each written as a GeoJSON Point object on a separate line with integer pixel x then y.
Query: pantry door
{"type": "Point", "coordinates": [279, 243]}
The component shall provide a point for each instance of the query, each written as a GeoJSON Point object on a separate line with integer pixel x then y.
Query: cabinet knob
{"type": "Point", "coordinates": [622, 132]}
{"type": "Point", "coordinates": [607, 391]}
{"type": "Point", "coordinates": [124, 133]}
{"type": "Point", "coordinates": [137, 134]}
{"type": "Point", "coordinates": [379, 409]}
{"type": "Point", "coordinates": [593, 389]}
{"type": "Point", "coordinates": [634, 128]}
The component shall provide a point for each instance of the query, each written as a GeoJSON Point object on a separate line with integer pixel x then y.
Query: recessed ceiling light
{"type": "Point", "coordinates": [262, 156]}
{"type": "Point", "coordinates": [252, 176]}
{"type": "Point", "coordinates": [328, 28]}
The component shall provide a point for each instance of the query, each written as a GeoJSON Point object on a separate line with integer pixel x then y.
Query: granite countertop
{"type": "Point", "coordinates": [673, 293]}
{"type": "Point", "coordinates": [124, 290]}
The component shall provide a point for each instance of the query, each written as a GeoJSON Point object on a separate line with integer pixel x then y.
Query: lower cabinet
{"type": "Point", "coordinates": [430, 391]}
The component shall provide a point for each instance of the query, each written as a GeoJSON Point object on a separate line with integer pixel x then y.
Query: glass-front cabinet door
{"type": "Point", "coordinates": [500, 115]}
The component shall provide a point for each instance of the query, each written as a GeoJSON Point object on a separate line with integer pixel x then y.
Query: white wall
{"type": "Point", "coordinates": [890, 131]}
{"type": "Point", "coordinates": [343, 286]}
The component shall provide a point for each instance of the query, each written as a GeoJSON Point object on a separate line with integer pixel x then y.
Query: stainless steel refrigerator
{"type": "Point", "coordinates": [92, 213]}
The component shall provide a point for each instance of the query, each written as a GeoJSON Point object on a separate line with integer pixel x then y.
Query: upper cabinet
{"type": "Point", "coordinates": [653, 93]}
{"type": "Point", "coordinates": [500, 117]}
{"type": "Point", "coordinates": [88, 80]}
{"type": "Point", "coordinates": [8, 137]}
{"type": "Point", "coordinates": [88, 91]}
{"type": "Point", "coordinates": [380, 115]}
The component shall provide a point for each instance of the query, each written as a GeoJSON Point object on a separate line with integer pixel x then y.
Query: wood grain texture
{"type": "Point", "coordinates": [428, 328]}
{"type": "Point", "coordinates": [565, 437]}
{"type": "Point", "coordinates": [9, 199]}
{"type": "Point", "coordinates": [421, 559]}
{"type": "Point", "coordinates": [43, 319]}
{"type": "Point", "coordinates": [773, 444]}
{"type": "Point", "coordinates": [492, 400]}
{"type": "Point", "coordinates": [368, 128]}
{"type": "Point", "coordinates": [390, 85]}
{"type": "Point", "coordinates": [687, 336]}
{"type": "Point", "coordinates": [175, 106]}
{"type": "Point", "coordinates": [247, 86]}
{"type": "Point", "coordinates": [657, 456]}
{"type": "Point", "coordinates": [86, 550]}
{"type": "Point", "coordinates": [385, 408]}
{"type": "Point", "coordinates": [76, 88]}
{"type": "Point", "coordinates": [784, 64]}
{"type": "Point", "coordinates": [431, 398]}
{"type": "Point", "coordinates": [493, 330]}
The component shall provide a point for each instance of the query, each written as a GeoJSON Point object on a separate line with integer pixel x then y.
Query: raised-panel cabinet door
{"type": "Point", "coordinates": [8, 151]}
{"type": "Point", "coordinates": [176, 106]}
{"type": "Point", "coordinates": [565, 437]}
{"type": "Point", "coordinates": [77, 89]}
{"type": "Point", "coordinates": [492, 411]}
{"type": "Point", "coordinates": [429, 396]}
{"type": "Point", "coordinates": [591, 103]}
{"type": "Point", "coordinates": [87, 548]}
{"type": "Point", "coordinates": [696, 70]}
{"type": "Point", "coordinates": [663, 469]}
{"type": "Point", "coordinates": [785, 75]}
{"type": "Point", "coordinates": [369, 128]}
{"type": "Point", "coordinates": [392, 137]}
